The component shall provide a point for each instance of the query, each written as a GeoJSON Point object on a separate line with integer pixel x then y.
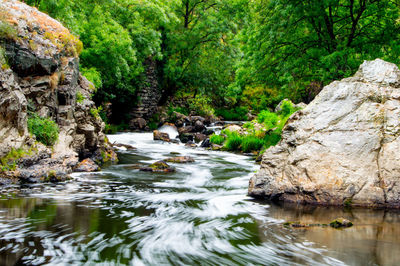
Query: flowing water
{"type": "Point", "coordinates": [199, 215]}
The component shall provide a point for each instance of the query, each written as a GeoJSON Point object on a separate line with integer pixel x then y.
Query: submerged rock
{"type": "Point", "coordinates": [180, 159]}
{"type": "Point", "coordinates": [126, 146]}
{"type": "Point", "coordinates": [343, 147]}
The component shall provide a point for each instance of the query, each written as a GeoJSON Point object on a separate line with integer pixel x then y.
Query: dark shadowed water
{"type": "Point", "coordinates": [199, 215]}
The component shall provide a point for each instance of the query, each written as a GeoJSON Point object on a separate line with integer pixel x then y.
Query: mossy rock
{"type": "Point", "coordinates": [341, 223]}
{"type": "Point", "coordinates": [159, 166]}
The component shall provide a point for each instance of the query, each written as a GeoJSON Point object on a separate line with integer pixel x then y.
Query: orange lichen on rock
{"type": "Point", "coordinates": [30, 22]}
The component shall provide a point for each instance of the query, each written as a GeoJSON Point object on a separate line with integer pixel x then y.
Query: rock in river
{"type": "Point", "coordinates": [159, 166]}
{"type": "Point", "coordinates": [180, 159]}
{"type": "Point", "coordinates": [343, 148]}
{"type": "Point", "coordinates": [158, 135]}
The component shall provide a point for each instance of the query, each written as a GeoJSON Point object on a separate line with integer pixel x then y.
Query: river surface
{"type": "Point", "coordinates": [199, 215]}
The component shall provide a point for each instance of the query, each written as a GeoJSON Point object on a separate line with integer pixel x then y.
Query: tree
{"type": "Point", "coordinates": [292, 43]}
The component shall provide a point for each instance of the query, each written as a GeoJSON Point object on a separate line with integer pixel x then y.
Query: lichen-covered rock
{"type": "Point", "coordinates": [343, 148]}
{"type": "Point", "coordinates": [43, 76]}
{"type": "Point", "coordinates": [87, 165]}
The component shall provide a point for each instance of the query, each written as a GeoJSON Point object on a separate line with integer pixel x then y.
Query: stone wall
{"type": "Point", "coordinates": [149, 96]}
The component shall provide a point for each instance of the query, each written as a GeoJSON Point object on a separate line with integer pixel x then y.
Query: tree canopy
{"type": "Point", "coordinates": [235, 53]}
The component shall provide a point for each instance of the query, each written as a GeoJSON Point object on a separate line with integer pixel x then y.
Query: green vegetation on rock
{"type": "Point", "coordinates": [45, 129]}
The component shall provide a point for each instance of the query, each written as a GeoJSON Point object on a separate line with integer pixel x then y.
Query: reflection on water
{"type": "Point", "coordinates": [374, 238]}
{"type": "Point", "coordinates": [198, 215]}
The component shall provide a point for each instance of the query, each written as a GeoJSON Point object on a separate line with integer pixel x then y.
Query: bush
{"type": "Point", "coordinates": [238, 113]}
{"type": "Point", "coordinates": [287, 108]}
{"type": "Point", "coordinates": [217, 139]}
{"type": "Point", "coordinates": [268, 118]}
{"type": "Point", "coordinates": [251, 143]}
{"type": "Point", "coordinates": [45, 130]}
{"type": "Point", "coordinates": [233, 141]}
{"type": "Point", "coordinates": [272, 139]}
{"type": "Point", "coordinates": [201, 105]}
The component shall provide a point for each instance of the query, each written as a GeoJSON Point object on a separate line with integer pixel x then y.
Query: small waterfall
{"type": "Point", "coordinates": [170, 130]}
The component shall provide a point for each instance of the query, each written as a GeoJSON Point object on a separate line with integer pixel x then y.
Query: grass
{"type": "Point", "coordinates": [233, 141]}
{"type": "Point", "coordinates": [251, 143]}
{"type": "Point", "coordinates": [217, 139]}
{"type": "Point", "coordinates": [257, 140]}
{"type": "Point", "coordinates": [45, 130]}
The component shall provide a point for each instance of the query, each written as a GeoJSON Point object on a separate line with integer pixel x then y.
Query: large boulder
{"type": "Point", "coordinates": [343, 148]}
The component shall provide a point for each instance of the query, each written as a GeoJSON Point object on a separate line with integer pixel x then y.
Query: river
{"type": "Point", "coordinates": [199, 215]}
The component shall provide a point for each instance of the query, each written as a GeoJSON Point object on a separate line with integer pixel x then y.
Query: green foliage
{"type": "Point", "coordinates": [95, 112]}
{"type": "Point", "coordinates": [3, 59]}
{"type": "Point", "coordinates": [7, 31]}
{"type": "Point", "coordinates": [238, 113]}
{"type": "Point", "coordinates": [10, 160]}
{"type": "Point", "coordinates": [287, 108]}
{"type": "Point", "coordinates": [112, 129]}
{"type": "Point", "coordinates": [153, 125]}
{"type": "Point", "coordinates": [93, 76]}
{"type": "Point", "coordinates": [269, 119]}
{"type": "Point", "coordinates": [251, 143]}
{"type": "Point", "coordinates": [233, 141]}
{"type": "Point", "coordinates": [201, 105]}
{"type": "Point", "coordinates": [79, 97]}
{"type": "Point", "coordinates": [45, 130]}
{"type": "Point", "coordinates": [217, 139]}
{"type": "Point", "coordinates": [318, 41]}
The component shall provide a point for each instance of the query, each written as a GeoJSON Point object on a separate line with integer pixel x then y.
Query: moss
{"type": "Point", "coordinates": [32, 45]}
{"type": "Point", "coordinates": [340, 223]}
{"type": "Point", "coordinates": [3, 59]}
{"type": "Point", "coordinates": [10, 160]}
{"type": "Point", "coordinates": [79, 97]}
{"type": "Point", "coordinates": [7, 31]}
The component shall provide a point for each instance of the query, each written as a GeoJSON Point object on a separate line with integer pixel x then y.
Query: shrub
{"type": "Point", "coordinates": [233, 141]}
{"type": "Point", "coordinates": [238, 113]}
{"type": "Point", "coordinates": [201, 105]}
{"type": "Point", "coordinates": [251, 143]}
{"type": "Point", "coordinates": [45, 130]}
{"type": "Point", "coordinates": [268, 118]}
{"type": "Point", "coordinates": [217, 139]}
{"type": "Point", "coordinates": [272, 139]}
{"type": "Point", "coordinates": [287, 108]}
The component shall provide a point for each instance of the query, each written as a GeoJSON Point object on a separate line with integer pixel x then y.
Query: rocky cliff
{"type": "Point", "coordinates": [40, 75]}
{"type": "Point", "coordinates": [343, 148]}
